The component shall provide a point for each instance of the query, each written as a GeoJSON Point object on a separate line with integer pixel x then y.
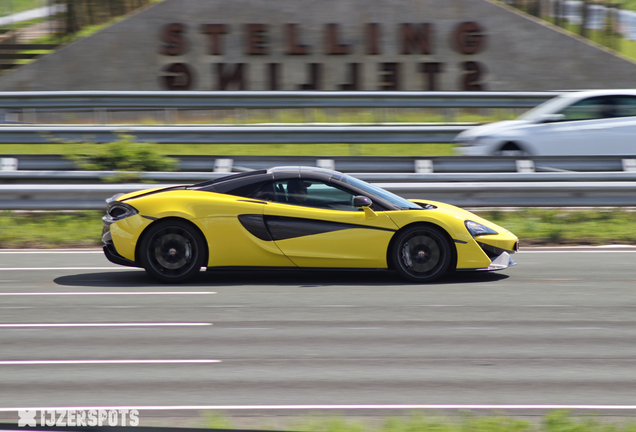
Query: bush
{"type": "Point", "coordinates": [125, 155]}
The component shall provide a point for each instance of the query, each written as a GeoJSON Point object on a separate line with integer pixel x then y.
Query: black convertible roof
{"type": "Point", "coordinates": [233, 181]}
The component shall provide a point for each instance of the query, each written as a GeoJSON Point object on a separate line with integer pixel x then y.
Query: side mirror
{"type": "Point", "coordinates": [551, 118]}
{"type": "Point", "coordinates": [361, 201]}
{"type": "Point", "coordinates": [364, 203]}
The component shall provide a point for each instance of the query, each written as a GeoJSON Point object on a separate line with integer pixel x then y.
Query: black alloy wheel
{"type": "Point", "coordinates": [172, 251]}
{"type": "Point", "coordinates": [421, 254]}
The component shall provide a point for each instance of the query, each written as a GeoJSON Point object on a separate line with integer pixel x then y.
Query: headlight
{"type": "Point", "coordinates": [476, 229]}
{"type": "Point", "coordinates": [114, 198]}
{"type": "Point", "coordinates": [471, 141]}
{"type": "Point", "coordinates": [118, 211]}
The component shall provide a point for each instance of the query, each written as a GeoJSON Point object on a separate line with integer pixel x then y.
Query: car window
{"type": "Point", "coordinates": [265, 192]}
{"type": "Point", "coordinates": [589, 109]}
{"type": "Point", "coordinates": [311, 193]}
{"type": "Point", "coordinates": [625, 106]}
{"type": "Point", "coordinates": [601, 107]}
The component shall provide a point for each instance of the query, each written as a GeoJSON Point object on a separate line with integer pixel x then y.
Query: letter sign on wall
{"type": "Point", "coordinates": [372, 57]}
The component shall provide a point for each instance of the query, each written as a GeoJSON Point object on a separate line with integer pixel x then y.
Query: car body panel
{"type": "Point", "coordinates": [451, 218]}
{"type": "Point", "coordinates": [337, 239]}
{"type": "Point", "coordinates": [125, 234]}
{"type": "Point", "coordinates": [215, 215]}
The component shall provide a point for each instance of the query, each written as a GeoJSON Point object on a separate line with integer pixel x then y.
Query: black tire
{"type": "Point", "coordinates": [172, 251]}
{"type": "Point", "coordinates": [511, 150]}
{"type": "Point", "coordinates": [422, 253]}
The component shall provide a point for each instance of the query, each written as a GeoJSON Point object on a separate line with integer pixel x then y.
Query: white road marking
{"type": "Point", "coordinates": [574, 251]}
{"type": "Point", "coordinates": [327, 407]}
{"type": "Point", "coordinates": [440, 305]}
{"type": "Point", "coordinates": [51, 251]}
{"type": "Point", "coordinates": [65, 268]}
{"type": "Point", "coordinates": [107, 293]}
{"type": "Point", "coordinates": [333, 306]}
{"type": "Point", "coordinates": [133, 324]}
{"type": "Point", "coordinates": [223, 306]}
{"type": "Point", "coordinates": [80, 362]}
{"type": "Point", "coordinates": [547, 306]}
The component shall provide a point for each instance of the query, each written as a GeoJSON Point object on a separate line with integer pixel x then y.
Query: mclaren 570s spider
{"type": "Point", "coordinates": [299, 218]}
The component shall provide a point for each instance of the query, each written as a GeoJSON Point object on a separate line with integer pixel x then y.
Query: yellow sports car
{"type": "Point", "coordinates": [297, 217]}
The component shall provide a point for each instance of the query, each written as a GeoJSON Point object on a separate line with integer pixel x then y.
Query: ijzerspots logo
{"type": "Point", "coordinates": [76, 418]}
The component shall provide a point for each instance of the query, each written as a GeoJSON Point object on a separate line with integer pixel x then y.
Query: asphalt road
{"type": "Point", "coordinates": [77, 331]}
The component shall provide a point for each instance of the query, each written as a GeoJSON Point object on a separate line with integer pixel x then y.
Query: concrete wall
{"type": "Point", "coordinates": [512, 51]}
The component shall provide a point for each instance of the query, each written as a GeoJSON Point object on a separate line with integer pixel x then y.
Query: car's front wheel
{"type": "Point", "coordinates": [422, 253]}
{"type": "Point", "coordinates": [172, 251]}
{"type": "Point", "coordinates": [511, 149]}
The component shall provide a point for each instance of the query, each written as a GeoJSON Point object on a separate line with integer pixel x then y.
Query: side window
{"type": "Point", "coordinates": [626, 106]}
{"type": "Point", "coordinates": [265, 193]}
{"type": "Point", "coordinates": [247, 191]}
{"type": "Point", "coordinates": [601, 107]}
{"type": "Point", "coordinates": [313, 194]}
{"type": "Point", "coordinates": [591, 109]}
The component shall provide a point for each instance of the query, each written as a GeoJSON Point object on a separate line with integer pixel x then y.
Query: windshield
{"type": "Point", "coordinates": [551, 106]}
{"type": "Point", "coordinates": [372, 191]}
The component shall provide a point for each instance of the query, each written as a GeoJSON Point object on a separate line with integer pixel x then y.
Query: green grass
{"type": "Point", "coordinates": [50, 229]}
{"type": "Point", "coordinates": [553, 422]}
{"type": "Point", "coordinates": [322, 150]}
{"type": "Point", "coordinates": [585, 227]}
{"type": "Point", "coordinates": [532, 226]}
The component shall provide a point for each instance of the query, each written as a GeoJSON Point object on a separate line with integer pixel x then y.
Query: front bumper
{"type": "Point", "coordinates": [111, 252]}
{"type": "Point", "coordinates": [471, 150]}
{"type": "Point", "coordinates": [115, 258]}
{"type": "Point", "coordinates": [503, 261]}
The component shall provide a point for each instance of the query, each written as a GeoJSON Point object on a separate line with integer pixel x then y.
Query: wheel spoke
{"type": "Point", "coordinates": [172, 251]}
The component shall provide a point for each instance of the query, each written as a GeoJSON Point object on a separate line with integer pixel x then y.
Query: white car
{"type": "Point", "coordinates": [585, 123]}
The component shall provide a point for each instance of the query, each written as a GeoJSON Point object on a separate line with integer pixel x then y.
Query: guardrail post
{"type": "Point", "coordinates": [525, 166]}
{"type": "Point", "coordinates": [329, 164]}
{"type": "Point", "coordinates": [629, 165]}
{"type": "Point", "coordinates": [223, 165]}
{"type": "Point", "coordinates": [8, 164]}
{"type": "Point", "coordinates": [424, 166]}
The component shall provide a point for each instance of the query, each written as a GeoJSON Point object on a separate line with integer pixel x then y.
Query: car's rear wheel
{"type": "Point", "coordinates": [172, 251]}
{"type": "Point", "coordinates": [422, 253]}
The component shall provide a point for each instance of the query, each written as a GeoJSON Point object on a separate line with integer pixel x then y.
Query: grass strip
{"type": "Point", "coordinates": [557, 421]}
{"type": "Point", "coordinates": [319, 150]}
{"type": "Point", "coordinates": [533, 226]}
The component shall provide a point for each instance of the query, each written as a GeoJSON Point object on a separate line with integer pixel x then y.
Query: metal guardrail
{"type": "Point", "coordinates": [464, 194]}
{"type": "Point", "coordinates": [344, 133]}
{"type": "Point", "coordinates": [455, 180]}
{"type": "Point", "coordinates": [95, 177]}
{"type": "Point", "coordinates": [266, 100]}
{"type": "Point", "coordinates": [353, 164]}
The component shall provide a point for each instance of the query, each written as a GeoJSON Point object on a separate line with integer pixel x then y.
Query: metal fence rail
{"type": "Point", "coordinates": [473, 194]}
{"type": "Point", "coordinates": [95, 177]}
{"type": "Point", "coordinates": [233, 134]}
{"type": "Point", "coordinates": [264, 99]}
{"type": "Point", "coordinates": [353, 164]}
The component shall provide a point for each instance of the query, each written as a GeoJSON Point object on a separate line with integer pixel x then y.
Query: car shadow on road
{"type": "Point", "coordinates": [303, 278]}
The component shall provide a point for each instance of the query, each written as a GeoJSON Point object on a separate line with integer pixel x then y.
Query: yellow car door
{"type": "Point", "coordinates": [320, 227]}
